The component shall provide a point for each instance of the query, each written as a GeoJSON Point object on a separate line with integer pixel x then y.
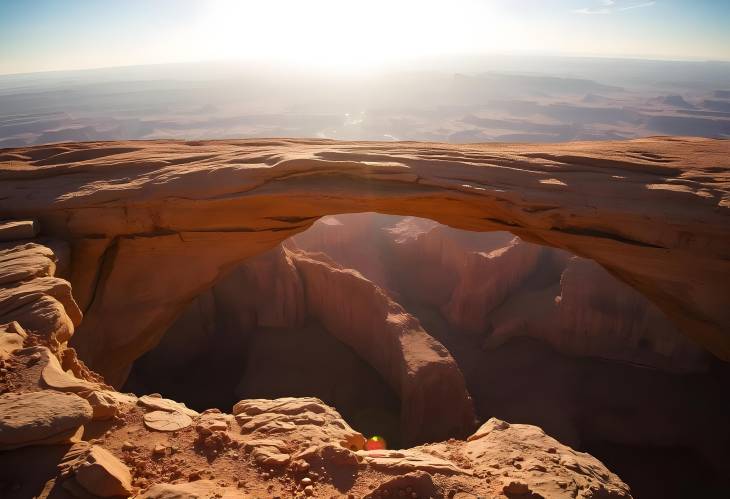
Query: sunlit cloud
{"type": "Point", "coordinates": [610, 6]}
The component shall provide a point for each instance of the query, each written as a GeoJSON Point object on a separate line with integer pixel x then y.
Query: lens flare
{"type": "Point", "coordinates": [376, 443]}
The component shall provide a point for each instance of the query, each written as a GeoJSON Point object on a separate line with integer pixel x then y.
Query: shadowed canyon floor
{"type": "Point", "coordinates": [142, 229]}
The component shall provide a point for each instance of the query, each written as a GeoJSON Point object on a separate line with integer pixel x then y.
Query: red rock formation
{"type": "Point", "coordinates": [351, 244]}
{"type": "Point", "coordinates": [159, 207]}
{"type": "Point", "coordinates": [281, 288]}
{"type": "Point", "coordinates": [155, 447]}
{"type": "Point", "coordinates": [593, 314]}
{"type": "Point", "coordinates": [496, 285]}
{"type": "Point", "coordinates": [434, 400]}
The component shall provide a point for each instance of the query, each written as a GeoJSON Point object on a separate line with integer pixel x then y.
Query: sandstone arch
{"type": "Point", "coordinates": [154, 223]}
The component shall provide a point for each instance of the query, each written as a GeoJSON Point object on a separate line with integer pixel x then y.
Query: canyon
{"type": "Point", "coordinates": [522, 282]}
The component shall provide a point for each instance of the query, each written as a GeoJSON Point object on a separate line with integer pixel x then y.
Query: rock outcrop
{"type": "Point", "coordinates": [284, 447]}
{"type": "Point", "coordinates": [282, 287]}
{"type": "Point", "coordinates": [434, 401]}
{"type": "Point", "coordinates": [593, 314]}
{"type": "Point", "coordinates": [498, 287]}
{"type": "Point", "coordinates": [653, 212]}
{"type": "Point", "coordinates": [41, 418]}
{"type": "Point", "coordinates": [491, 285]}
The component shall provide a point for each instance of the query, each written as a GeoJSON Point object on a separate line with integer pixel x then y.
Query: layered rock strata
{"type": "Point", "coordinates": [155, 447]}
{"type": "Point", "coordinates": [653, 212]}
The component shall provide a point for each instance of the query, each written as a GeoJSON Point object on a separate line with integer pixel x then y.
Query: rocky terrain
{"type": "Point", "coordinates": [653, 212]}
{"type": "Point", "coordinates": [516, 319]}
{"type": "Point", "coordinates": [64, 433]}
{"type": "Point", "coordinates": [143, 229]}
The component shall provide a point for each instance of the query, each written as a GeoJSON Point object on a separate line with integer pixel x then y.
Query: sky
{"type": "Point", "coordinates": [46, 35]}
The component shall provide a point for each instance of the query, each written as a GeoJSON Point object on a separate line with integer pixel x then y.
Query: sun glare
{"type": "Point", "coordinates": [343, 33]}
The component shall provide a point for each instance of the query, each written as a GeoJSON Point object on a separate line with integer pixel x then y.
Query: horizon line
{"type": "Point", "coordinates": [280, 62]}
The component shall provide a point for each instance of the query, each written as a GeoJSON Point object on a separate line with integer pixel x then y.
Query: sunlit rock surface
{"type": "Point", "coordinates": [265, 448]}
{"type": "Point", "coordinates": [654, 212]}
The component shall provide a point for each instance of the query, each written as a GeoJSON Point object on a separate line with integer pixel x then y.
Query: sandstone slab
{"type": "Point", "coordinates": [18, 229]}
{"type": "Point", "coordinates": [224, 200]}
{"type": "Point", "coordinates": [307, 420]}
{"type": "Point", "coordinates": [167, 421]}
{"type": "Point", "coordinates": [163, 404]}
{"type": "Point", "coordinates": [96, 471]}
{"type": "Point", "coordinates": [40, 417]}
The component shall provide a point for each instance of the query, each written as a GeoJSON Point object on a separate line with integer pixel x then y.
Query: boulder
{"type": "Point", "coordinates": [97, 471]}
{"type": "Point", "coordinates": [45, 417]}
{"type": "Point", "coordinates": [12, 230]}
{"type": "Point", "coordinates": [302, 422]}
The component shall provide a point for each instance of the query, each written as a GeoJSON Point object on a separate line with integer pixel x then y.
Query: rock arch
{"type": "Point", "coordinates": [152, 224]}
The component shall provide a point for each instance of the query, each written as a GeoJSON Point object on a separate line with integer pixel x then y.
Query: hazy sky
{"type": "Point", "coordinates": [38, 35]}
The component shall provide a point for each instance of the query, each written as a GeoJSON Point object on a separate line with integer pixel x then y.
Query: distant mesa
{"type": "Point", "coordinates": [675, 101]}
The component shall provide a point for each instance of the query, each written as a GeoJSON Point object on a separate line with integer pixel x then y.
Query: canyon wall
{"type": "Point", "coordinates": [629, 378]}
{"type": "Point", "coordinates": [64, 433]}
{"type": "Point", "coordinates": [281, 289]}
{"type": "Point", "coordinates": [496, 286]}
{"type": "Point", "coordinates": [153, 224]}
{"type": "Point", "coordinates": [434, 400]}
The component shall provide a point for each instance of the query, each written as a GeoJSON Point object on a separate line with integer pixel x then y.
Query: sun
{"type": "Point", "coordinates": [341, 33]}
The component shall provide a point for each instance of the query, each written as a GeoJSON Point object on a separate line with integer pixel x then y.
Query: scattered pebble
{"type": "Point", "coordinates": [309, 490]}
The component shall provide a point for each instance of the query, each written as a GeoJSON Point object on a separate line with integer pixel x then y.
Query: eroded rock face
{"type": "Point", "coordinates": [434, 401]}
{"type": "Point", "coordinates": [41, 418]}
{"type": "Point", "coordinates": [131, 207]}
{"type": "Point", "coordinates": [282, 447]}
{"type": "Point", "coordinates": [282, 288]}
{"type": "Point", "coordinates": [96, 472]}
{"type": "Point", "coordinates": [518, 454]}
{"type": "Point", "coordinates": [595, 315]}
{"type": "Point", "coordinates": [490, 285]}
{"type": "Point", "coordinates": [498, 287]}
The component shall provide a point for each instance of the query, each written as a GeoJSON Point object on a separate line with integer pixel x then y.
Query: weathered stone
{"type": "Point", "coordinates": [105, 406]}
{"type": "Point", "coordinates": [669, 227]}
{"type": "Point", "coordinates": [167, 421]}
{"type": "Point", "coordinates": [18, 229]}
{"type": "Point", "coordinates": [198, 489]}
{"type": "Point", "coordinates": [97, 471]}
{"type": "Point", "coordinates": [308, 418]}
{"type": "Point", "coordinates": [55, 377]}
{"type": "Point", "coordinates": [12, 337]}
{"type": "Point", "coordinates": [41, 418]}
{"type": "Point", "coordinates": [408, 460]}
{"type": "Point", "coordinates": [163, 404]}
